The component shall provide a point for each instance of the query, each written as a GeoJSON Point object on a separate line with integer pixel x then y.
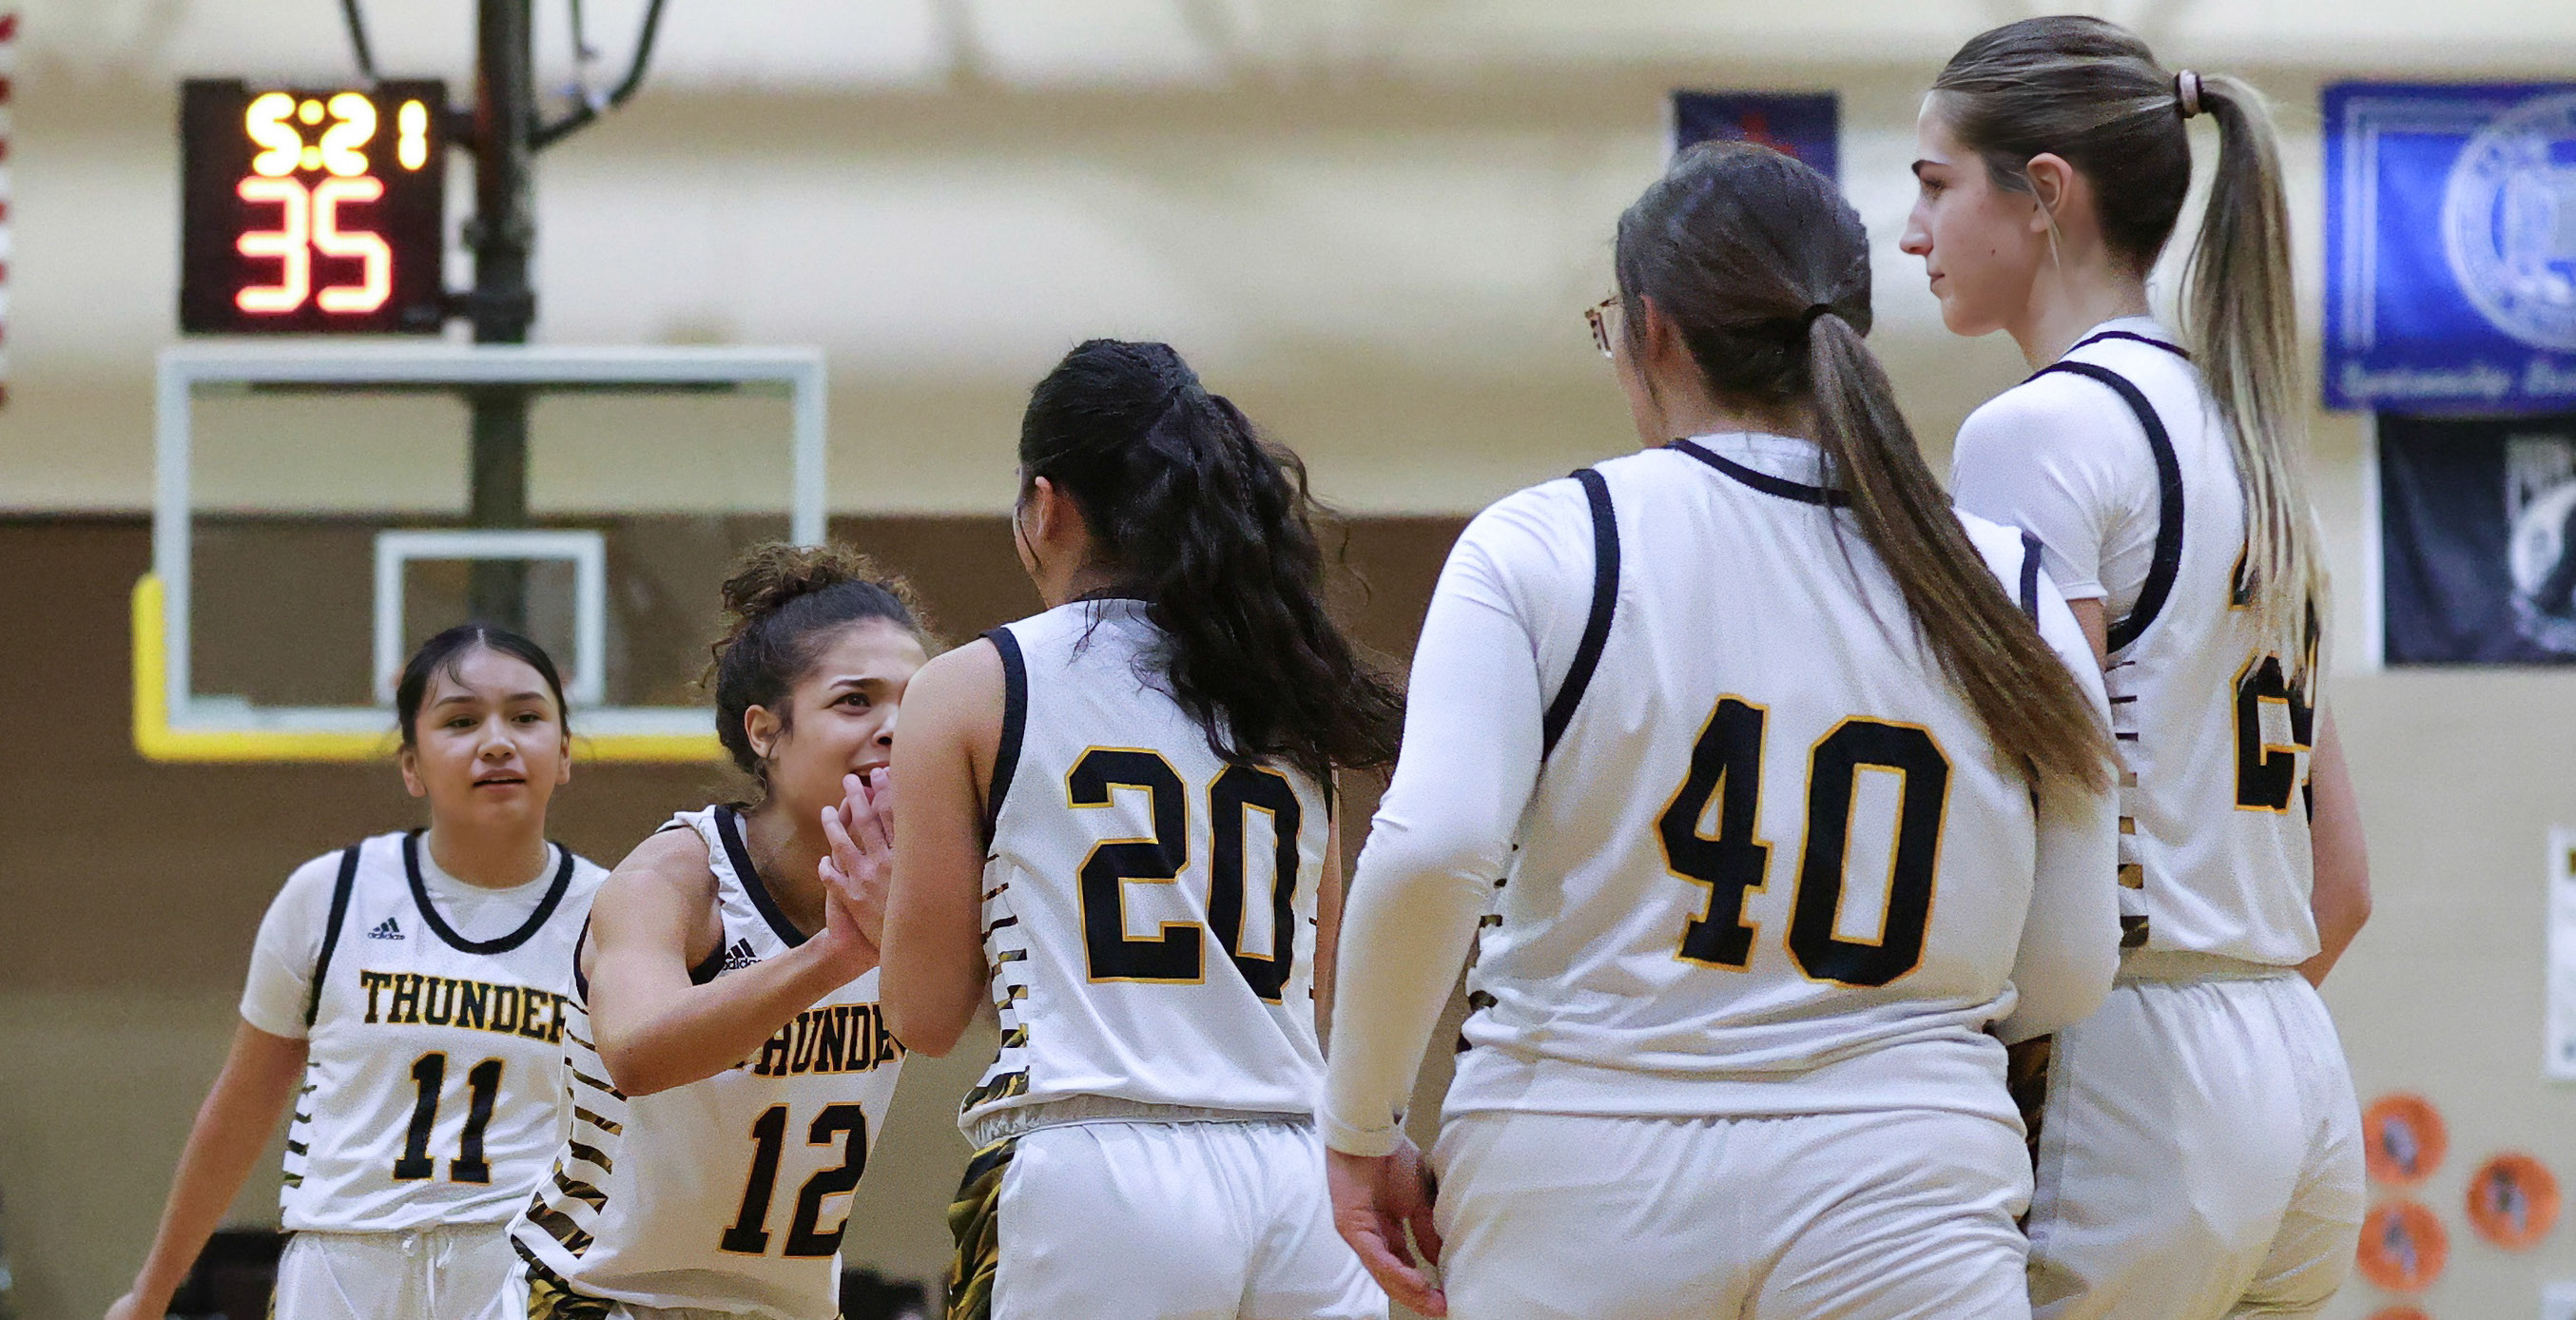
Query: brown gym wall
{"type": "Point", "coordinates": [131, 890]}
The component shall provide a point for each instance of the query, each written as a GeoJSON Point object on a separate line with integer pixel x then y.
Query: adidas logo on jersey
{"type": "Point", "coordinates": [740, 956]}
{"type": "Point", "coordinates": [387, 931]}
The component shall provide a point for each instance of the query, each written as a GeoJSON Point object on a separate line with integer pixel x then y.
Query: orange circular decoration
{"type": "Point", "coordinates": [2513, 1201]}
{"type": "Point", "coordinates": [2403, 1247]}
{"type": "Point", "coordinates": [2399, 1313]}
{"type": "Point", "coordinates": [2403, 1139]}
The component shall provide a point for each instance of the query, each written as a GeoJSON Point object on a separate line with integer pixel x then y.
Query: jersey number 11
{"type": "Point", "coordinates": [429, 1073]}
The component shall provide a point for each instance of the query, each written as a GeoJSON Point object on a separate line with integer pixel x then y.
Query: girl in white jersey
{"type": "Point", "coordinates": [728, 1066]}
{"type": "Point", "coordinates": [1117, 825]}
{"type": "Point", "coordinates": [1794, 785]}
{"type": "Point", "coordinates": [415, 982]}
{"type": "Point", "coordinates": [2198, 1150]}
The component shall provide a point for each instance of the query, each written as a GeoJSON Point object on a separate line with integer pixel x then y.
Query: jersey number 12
{"type": "Point", "coordinates": [749, 1234]}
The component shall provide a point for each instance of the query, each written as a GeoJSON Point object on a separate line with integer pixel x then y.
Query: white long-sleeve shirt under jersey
{"type": "Point", "coordinates": [1715, 895]}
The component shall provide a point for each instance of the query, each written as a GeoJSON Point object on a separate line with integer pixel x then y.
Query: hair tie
{"type": "Point", "coordinates": [2187, 91]}
{"type": "Point", "coordinates": [1807, 321]}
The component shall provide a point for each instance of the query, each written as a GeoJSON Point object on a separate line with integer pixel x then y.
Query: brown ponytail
{"type": "Point", "coordinates": [2091, 93]}
{"type": "Point", "coordinates": [1764, 269]}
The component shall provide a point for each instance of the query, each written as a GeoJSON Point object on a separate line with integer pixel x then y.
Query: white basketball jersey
{"type": "Point", "coordinates": [2214, 742]}
{"type": "Point", "coordinates": [1148, 909]}
{"type": "Point", "coordinates": [1772, 863]}
{"type": "Point", "coordinates": [433, 1082]}
{"type": "Point", "coordinates": [730, 1193]}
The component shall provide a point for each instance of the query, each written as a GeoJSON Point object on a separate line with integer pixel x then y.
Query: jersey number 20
{"type": "Point", "coordinates": [1175, 956]}
{"type": "Point", "coordinates": [1726, 765]}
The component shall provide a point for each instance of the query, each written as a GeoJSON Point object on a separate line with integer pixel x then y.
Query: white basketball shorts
{"type": "Point", "coordinates": [2199, 1151]}
{"type": "Point", "coordinates": [440, 1272]}
{"type": "Point", "coordinates": [1897, 1215]}
{"type": "Point", "coordinates": [1155, 1221]}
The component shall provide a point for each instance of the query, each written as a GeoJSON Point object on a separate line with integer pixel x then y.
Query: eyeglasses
{"type": "Point", "coordinates": [1598, 317]}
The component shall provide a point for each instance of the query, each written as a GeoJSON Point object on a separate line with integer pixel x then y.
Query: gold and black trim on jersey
{"type": "Point", "coordinates": [551, 1298]}
{"type": "Point", "coordinates": [1006, 1086]}
{"type": "Point", "coordinates": [412, 999]}
{"type": "Point", "coordinates": [974, 1221]}
{"type": "Point", "coordinates": [558, 1225]}
{"type": "Point", "coordinates": [303, 1123]}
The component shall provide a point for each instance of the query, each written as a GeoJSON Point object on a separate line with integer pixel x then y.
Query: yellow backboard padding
{"type": "Point", "coordinates": [157, 741]}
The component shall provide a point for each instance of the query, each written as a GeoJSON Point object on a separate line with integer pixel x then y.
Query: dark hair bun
{"type": "Point", "coordinates": [772, 575]}
{"type": "Point", "coordinates": [778, 605]}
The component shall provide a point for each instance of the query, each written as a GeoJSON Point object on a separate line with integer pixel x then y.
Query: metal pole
{"type": "Point", "coordinates": [500, 234]}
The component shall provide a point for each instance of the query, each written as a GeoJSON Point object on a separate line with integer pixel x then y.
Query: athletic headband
{"type": "Point", "coordinates": [2187, 90]}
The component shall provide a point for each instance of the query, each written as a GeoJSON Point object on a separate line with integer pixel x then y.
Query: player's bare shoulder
{"type": "Point", "coordinates": [665, 880]}
{"type": "Point", "coordinates": [964, 679]}
{"type": "Point", "coordinates": [959, 700]}
{"type": "Point", "coordinates": [669, 860]}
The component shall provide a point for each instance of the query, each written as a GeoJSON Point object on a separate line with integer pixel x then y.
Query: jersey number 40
{"type": "Point", "coordinates": [1177, 956]}
{"type": "Point", "coordinates": [1726, 766]}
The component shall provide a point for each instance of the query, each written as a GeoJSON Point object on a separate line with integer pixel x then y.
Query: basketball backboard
{"type": "Point", "coordinates": [309, 529]}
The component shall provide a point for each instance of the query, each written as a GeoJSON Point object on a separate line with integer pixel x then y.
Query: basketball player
{"type": "Point", "coordinates": [1796, 783]}
{"type": "Point", "coordinates": [2200, 1153]}
{"type": "Point", "coordinates": [729, 1069]}
{"type": "Point", "coordinates": [413, 982]}
{"type": "Point", "coordinates": [1117, 823]}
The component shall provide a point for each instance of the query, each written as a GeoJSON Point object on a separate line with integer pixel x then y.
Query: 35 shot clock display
{"type": "Point", "coordinates": [311, 211]}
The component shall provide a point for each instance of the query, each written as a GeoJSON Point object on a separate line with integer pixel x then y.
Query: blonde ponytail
{"type": "Point", "coordinates": [2091, 93]}
{"type": "Point", "coordinates": [2241, 313]}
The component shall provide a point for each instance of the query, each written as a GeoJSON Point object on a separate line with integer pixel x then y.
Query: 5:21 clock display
{"type": "Point", "coordinates": [312, 211]}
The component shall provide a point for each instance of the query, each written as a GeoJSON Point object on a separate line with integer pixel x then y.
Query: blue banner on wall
{"type": "Point", "coordinates": [2450, 247]}
{"type": "Point", "coordinates": [1805, 125]}
{"type": "Point", "coordinates": [2477, 521]}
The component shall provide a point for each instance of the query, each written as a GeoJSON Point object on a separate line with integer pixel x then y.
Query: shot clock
{"type": "Point", "coordinates": [312, 211]}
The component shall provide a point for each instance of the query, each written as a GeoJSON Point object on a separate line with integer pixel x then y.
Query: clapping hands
{"type": "Point", "coordinates": [856, 870]}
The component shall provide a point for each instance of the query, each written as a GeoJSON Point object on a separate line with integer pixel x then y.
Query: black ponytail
{"type": "Point", "coordinates": [1212, 527]}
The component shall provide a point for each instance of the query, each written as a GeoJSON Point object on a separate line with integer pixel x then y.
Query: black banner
{"type": "Point", "coordinates": [2478, 539]}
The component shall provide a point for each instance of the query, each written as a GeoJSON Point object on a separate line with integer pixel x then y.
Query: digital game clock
{"type": "Point", "coordinates": [312, 211]}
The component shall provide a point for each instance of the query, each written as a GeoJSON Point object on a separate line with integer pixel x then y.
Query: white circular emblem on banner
{"type": "Point", "coordinates": [2509, 222]}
